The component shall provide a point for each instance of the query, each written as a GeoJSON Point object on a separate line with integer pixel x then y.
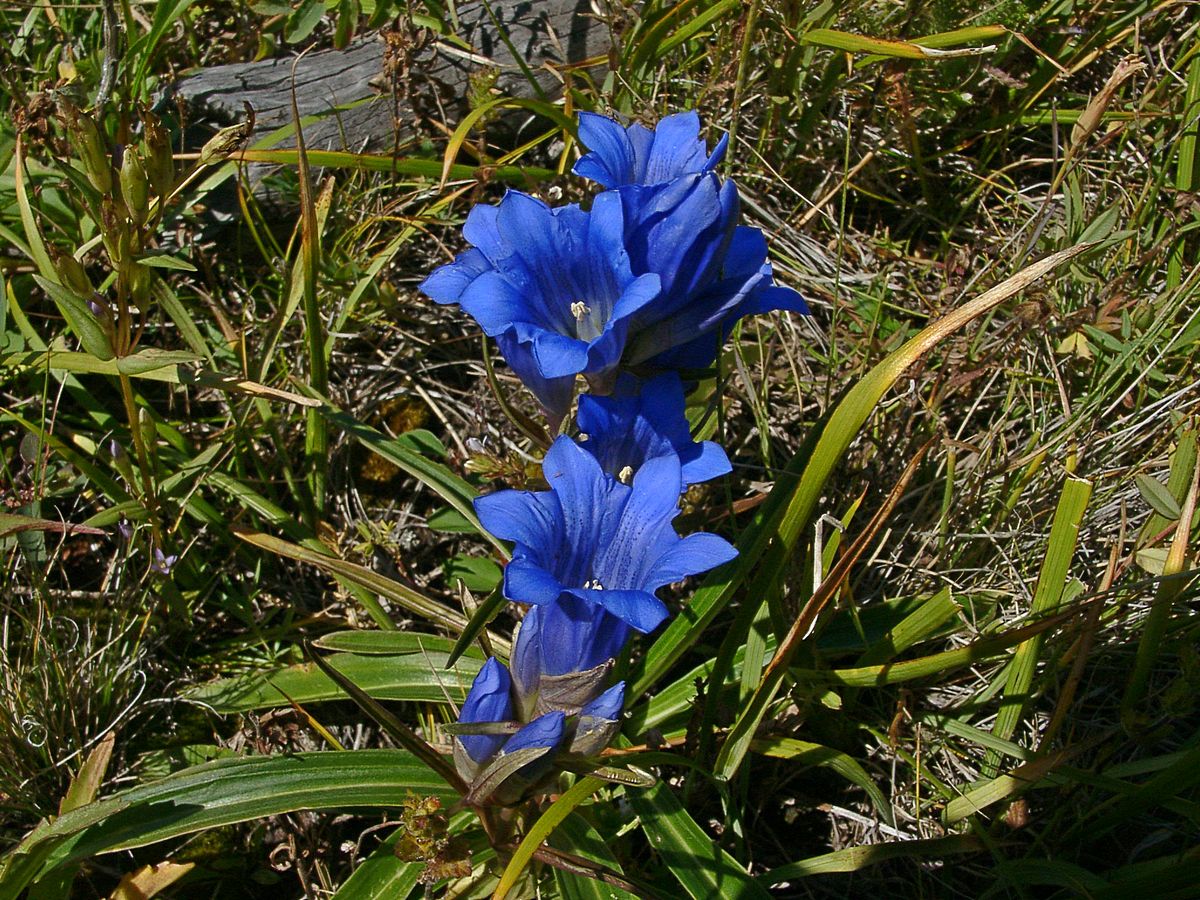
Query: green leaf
{"type": "Point", "coordinates": [387, 643]}
{"type": "Point", "coordinates": [919, 625]}
{"type": "Point", "coordinates": [423, 677]}
{"type": "Point", "coordinates": [1158, 496]}
{"type": "Point", "coordinates": [300, 24]}
{"type": "Point", "coordinates": [165, 261]}
{"type": "Point", "coordinates": [1060, 548]}
{"type": "Point", "coordinates": [477, 574]}
{"type": "Point", "coordinates": [220, 793]}
{"type": "Point", "coordinates": [450, 521]}
{"type": "Point", "coordinates": [852, 859]}
{"type": "Point", "coordinates": [694, 858]}
{"type": "Point", "coordinates": [79, 317]}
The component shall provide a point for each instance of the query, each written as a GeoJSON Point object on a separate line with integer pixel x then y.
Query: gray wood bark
{"type": "Point", "coordinates": [374, 97]}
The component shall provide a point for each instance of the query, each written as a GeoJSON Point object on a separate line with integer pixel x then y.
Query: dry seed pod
{"type": "Point", "coordinates": [160, 164]}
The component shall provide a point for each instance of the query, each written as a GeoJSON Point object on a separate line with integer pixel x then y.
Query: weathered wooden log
{"type": "Point", "coordinates": [375, 94]}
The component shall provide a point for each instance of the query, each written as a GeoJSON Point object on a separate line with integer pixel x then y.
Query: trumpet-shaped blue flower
{"type": "Point", "coordinates": [645, 420]}
{"type": "Point", "coordinates": [598, 540]}
{"type": "Point", "coordinates": [636, 155]}
{"type": "Point", "coordinates": [552, 286]}
{"type": "Point", "coordinates": [681, 223]}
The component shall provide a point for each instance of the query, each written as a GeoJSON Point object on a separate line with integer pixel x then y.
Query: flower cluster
{"type": "Point", "coordinates": [632, 294]}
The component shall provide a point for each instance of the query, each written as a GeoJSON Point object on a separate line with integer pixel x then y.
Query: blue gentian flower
{"type": "Point", "coordinates": [598, 540]}
{"type": "Point", "coordinates": [623, 155]}
{"type": "Point", "coordinates": [645, 420]}
{"type": "Point", "coordinates": [489, 700]}
{"type": "Point", "coordinates": [681, 223]}
{"type": "Point", "coordinates": [552, 286]}
{"type": "Point", "coordinates": [563, 652]}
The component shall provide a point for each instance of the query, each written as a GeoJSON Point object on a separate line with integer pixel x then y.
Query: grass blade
{"type": "Point", "coordinates": [780, 526]}
{"type": "Point", "coordinates": [1060, 549]}
{"type": "Point", "coordinates": [216, 794]}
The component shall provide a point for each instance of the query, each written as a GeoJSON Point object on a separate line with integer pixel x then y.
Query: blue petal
{"type": "Point", "coordinates": [544, 731]}
{"type": "Point", "coordinates": [639, 608]}
{"type": "Point", "coordinates": [608, 705]}
{"type": "Point", "coordinates": [489, 700]}
{"type": "Point", "coordinates": [526, 658]}
{"type": "Point", "coordinates": [644, 531]}
{"type": "Point", "coordinates": [776, 297]}
{"type": "Point", "coordinates": [554, 394]}
{"type": "Point", "coordinates": [447, 283]}
{"type": "Point", "coordinates": [588, 509]}
{"type": "Point", "coordinates": [529, 582]}
{"type": "Point", "coordinates": [493, 302]}
{"type": "Point", "coordinates": [709, 462]}
{"type": "Point", "coordinates": [482, 230]}
{"type": "Point", "coordinates": [610, 160]}
{"type": "Point", "coordinates": [520, 516]}
{"type": "Point", "coordinates": [559, 356]}
{"type": "Point", "coordinates": [677, 149]}
{"type": "Point", "coordinates": [694, 554]}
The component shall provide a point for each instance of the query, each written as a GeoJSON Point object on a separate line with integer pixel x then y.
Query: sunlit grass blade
{"type": "Point", "coordinates": [854, 859]}
{"type": "Point", "coordinates": [1052, 579]}
{"type": "Point", "coordinates": [698, 863]}
{"type": "Point", "coordinates": [781, 524]}
{"type": "Point", "coordinates": [420, 677]}
{"type": "Point", "coordinates": [541, 830]}
{"type": "Point", "coordinates": [220, 793]}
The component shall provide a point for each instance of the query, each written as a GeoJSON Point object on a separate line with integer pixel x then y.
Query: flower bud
{"type": "Point", "coordinates": [522, 763]}
{"type": "Point", "coordinates": [599, 721]}
{"type": "Point", "coordinates": [139, 283]}
{"type": "Point", "coordinates": [489, 700]}
{"type": "Point", "coordinates": [92, 147]}
{"type": "Point", "coordinates": [71, 273]}
{"type": "Point", "coordinates": [135, 186]}
{"type": "Point", "coordinates": [226, 142]}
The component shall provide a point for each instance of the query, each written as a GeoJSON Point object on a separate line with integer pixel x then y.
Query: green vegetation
{"type": "Point", "coordinates": [957, 654]}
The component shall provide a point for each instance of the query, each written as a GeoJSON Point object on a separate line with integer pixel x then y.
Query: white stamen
{"type": "Point", "coordinates": [625, 475]}
{"type": "Point", "coordinates": [579, 310]}
{"type": "Point", "coordinates": [593, 585]}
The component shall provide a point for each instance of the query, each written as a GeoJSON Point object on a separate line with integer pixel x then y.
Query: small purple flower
{"type": "Point", "coordinates": [162, 564]}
